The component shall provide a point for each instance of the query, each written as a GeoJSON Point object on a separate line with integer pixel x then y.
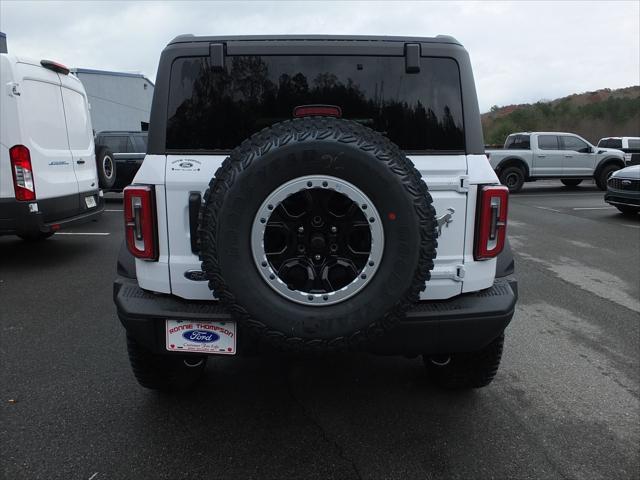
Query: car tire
{"type": "Point", "coordinates": [513, 178]}
{"type": "Point", "coordinates": [171, 372]}
{"type": "Point", "coordinates": [628, 210]}
{"type": "Point", "coordinates": [106, 165]}
{"type": "Point", "coordinates": [465, 370]}
{"type": "Point", "coordinates": [571, 182]}
{"type": "Point", "coordinates": [329, 152]}
{"type": "Point", "coordinates": [604, 174]}
{"type": "Point", "coordinates": [35, 236]}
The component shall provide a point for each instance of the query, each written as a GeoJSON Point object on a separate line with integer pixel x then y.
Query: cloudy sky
{"type": "Point", "coordinates": [521, 51]}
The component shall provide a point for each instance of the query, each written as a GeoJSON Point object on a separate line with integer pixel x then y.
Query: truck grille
{"type": "Point", "coordinates": [624, 184]}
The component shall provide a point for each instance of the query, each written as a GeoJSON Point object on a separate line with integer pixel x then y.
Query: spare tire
{"type": "Point", "coordinates": [317, 233]}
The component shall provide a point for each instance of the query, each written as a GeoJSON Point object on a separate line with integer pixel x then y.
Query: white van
{"type": "Point", "coordinates": [48, 177]}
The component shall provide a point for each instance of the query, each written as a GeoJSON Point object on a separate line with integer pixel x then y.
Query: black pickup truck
{"type": "Point", "coordinates": [128, 149]}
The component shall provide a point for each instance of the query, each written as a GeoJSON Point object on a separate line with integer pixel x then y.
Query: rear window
{"type": "Point", "coordinates": [140, 143]}
{"type": "Point", "coordinates": [217, 109]}
{"type": "Point", "coordinates": [117, 144]}
{"type": "Point", "coordinates": [518, 142]}
{"type": "Point", "coordinates": [610, 143]}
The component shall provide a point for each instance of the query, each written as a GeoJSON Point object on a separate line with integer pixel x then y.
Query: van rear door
{"type": "Point", "coordinates": [79, 132]}
{"type": "Point", "coordinates": [43, 131]}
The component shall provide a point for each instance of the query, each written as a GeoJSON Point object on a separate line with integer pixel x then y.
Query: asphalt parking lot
{"type": "Point", "coordinates": [565, 403]}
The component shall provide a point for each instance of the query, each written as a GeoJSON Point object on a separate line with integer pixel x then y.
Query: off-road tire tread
{"type": "Point", "coordinates": [317, 128]}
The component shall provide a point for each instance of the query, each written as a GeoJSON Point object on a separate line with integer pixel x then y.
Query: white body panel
{"type": "Point", "coordinates": [48, 113]}
{"type": "Point", "coordinates": [452, 181]}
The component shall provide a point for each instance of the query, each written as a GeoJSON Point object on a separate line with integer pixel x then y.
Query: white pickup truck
{"type": "Point", "coordinates": [530, 156]}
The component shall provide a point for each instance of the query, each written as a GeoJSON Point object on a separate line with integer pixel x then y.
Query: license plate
{"type": "Point", "coordinates": [90, 201]}
{"type": "Point", "coordinates": [201, 336]}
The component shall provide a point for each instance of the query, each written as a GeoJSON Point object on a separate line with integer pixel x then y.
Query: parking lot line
{"type": "Point", "coordinates": [592, 208]}
{"type": "Point", "coordinates": [547, 208]}
{"type": "Point", "coordinates": [630, 226]}
{"type": "Point", "coordinates": [101, 234]}
{"type": "Point", "coordinates": [114, 210]}
{"type": "Point", "coordinates": [543, 195]}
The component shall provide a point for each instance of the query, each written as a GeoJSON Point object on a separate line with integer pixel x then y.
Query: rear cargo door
{"type": "Point", "coordinates": [218, 100]}
{"type": "Point", "coordinates": [446, 177]}
{"type": "Point", "coordinates": [43, 131]}
{"type": "Point", "coordinates": [79, 132]}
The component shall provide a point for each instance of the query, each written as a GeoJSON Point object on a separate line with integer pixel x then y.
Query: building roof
{"type": "Point", "coordinates": [91, 71]}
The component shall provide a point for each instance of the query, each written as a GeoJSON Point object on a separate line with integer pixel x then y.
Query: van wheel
{"type": "Point", "coordinates": [465, 370]}
{"type": "Point", "coordinates": [35, 236]}
{"type": "Point", "coordinates": [106, 168]}
{"type": "Point", "coordinates": [570, 182]}
{"type": "Point", "coordinates": [512, 178]}
{"type": "Point", "coordinates": [605, 173]}
{"type": "Point", "coordinates": [164, 372]}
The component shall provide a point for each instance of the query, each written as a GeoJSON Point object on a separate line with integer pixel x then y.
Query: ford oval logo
{"type": "Point", "coordinates": [195, 275]}
{"type": "Point", "coordinates": [200, 336]}
{"type": "Point", "coordinates": [186, 165]}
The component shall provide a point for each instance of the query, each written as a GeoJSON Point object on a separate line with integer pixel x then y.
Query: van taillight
{"type": "Point", "coordinates": [491, 223]}
{"type": "Point", "coordinates": [22, 173]}
{"type": "Point", "coordinates": [140, 222]}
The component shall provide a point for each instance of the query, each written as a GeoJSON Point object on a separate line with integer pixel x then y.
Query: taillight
{"type": "Point", "coordinates": [491, 226]}
{"type": "Point", "coordinates": [22, 173]}
{"type": "Point", "coordinates": [140, 222]}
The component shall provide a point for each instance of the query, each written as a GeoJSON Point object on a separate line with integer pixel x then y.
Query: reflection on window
{"type": "Point", "coordinates": [217, 109]}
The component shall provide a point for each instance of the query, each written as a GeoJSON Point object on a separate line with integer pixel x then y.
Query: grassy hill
{"type": "Point", "coordinates": [592, 115]}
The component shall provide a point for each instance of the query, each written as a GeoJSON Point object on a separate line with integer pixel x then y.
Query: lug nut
{"type": "Point", "coordinates": [317, 257]}
{"type": "Point", "coordinates": [300, 229]}
{"type": "Point", "coordinates": [333, 229]}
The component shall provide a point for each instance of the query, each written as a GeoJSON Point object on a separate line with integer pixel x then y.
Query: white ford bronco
{"type": "Point", "coordinates": [315, 194]}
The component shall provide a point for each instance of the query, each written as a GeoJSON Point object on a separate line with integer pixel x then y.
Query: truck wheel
{"type": "Point", "coordinates": [571, 182]}
{"type": "Point", "coordinates": [465, 370]}
{"type": "Point", "coordinates": [106, 168]}
{"type": "Point", "coordinates": [603, 176]}
{"type": "Point", "coordinates": [35, 236]}
{"type": "Point", "coordinates": [164, 372]}
{"type": "Point", "coordinates": [317, 234]}
{"type": "Point", "coordinates": [512, 178]}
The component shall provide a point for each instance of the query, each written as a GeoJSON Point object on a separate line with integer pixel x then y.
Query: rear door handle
{"type": "Point", "coordinates": [81, 162]}
{"type": "Point", "coordinates": [568, 156]}
{"type": "Point", "coordinates": [541, 156]}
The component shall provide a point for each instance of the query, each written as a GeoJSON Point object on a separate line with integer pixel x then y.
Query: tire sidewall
{"type": "Point", "coordinates": [512, 171]}
{"type": "Point", "coordinates": [314, 157]}
{"type": "Point", "coordinates": [604, 175]}
{"type": "Point", "coordinates": [104, 181]}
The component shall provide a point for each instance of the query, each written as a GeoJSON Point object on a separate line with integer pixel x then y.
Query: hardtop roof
{"type": "Point", "coordinates": [190, 38]}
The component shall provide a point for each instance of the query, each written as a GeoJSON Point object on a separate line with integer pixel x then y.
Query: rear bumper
{"type": "Point", "coordinates": [53, 213]}
{"type": "Point", "coordinates": [466, 323]}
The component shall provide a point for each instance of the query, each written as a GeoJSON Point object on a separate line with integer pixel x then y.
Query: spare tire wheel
{"type": "Point", "coordinates": [317, 233]}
